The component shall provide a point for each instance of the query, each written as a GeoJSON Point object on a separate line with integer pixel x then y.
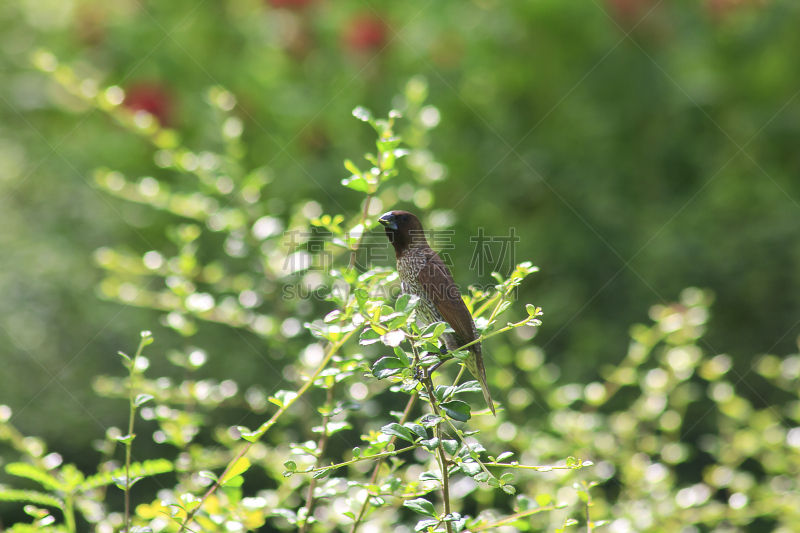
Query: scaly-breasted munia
{"type": "Point", "coordinates": [424, 274]}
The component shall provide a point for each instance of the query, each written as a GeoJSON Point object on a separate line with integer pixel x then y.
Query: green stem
{"type": "Point", "coordinates": [364, 215]}
{"type": "Point", "coordinates": [361, 459]}
{"type": "Point", "coordinates": [129, 440]}
{"type": "Point", "coordinates": [512, 518]}
{"type": "Point", "coordinates": [532, 467]}
{"type": "Point", "coordinates": [69, 513]}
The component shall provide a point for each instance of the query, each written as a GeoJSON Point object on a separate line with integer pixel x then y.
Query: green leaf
{"type": "Point", "coordinates": [137, 470]}
{"type": "Point", "coordinates": [398, 431]}
{"type": "Point", "coordinates": [249, 436]}
{"type": "Point", "coordinates": [402, 355]}
{"type": "Point", "coordinates": [433, 331]}
{"type": "Point", "coordinates": [362, 295]}
{"type": "Point", "coordinates": [430, 420]}
{"type": "Point", "coordinates": [321, 474]}
{"type": "Point", "coordinates": [441, 392]}
{"type": "Point", "coordinates": [283, 398]}
{"type": "Point", "coordinates": [544, 500]}
{"type": "Point", "coordinates": [406, 303]}
{"type": "Point", "coordinates": [508, 489]}
{"type": "Point", "coordinates": [430, 444]}
{"type": "Point", "coordinates": [503, 307]}
{"type": "Point", "coordinates": [208, 474]}
{"type": "Point", "coordinates": [504, 455]}
{"type": "Point", "coordinates": [234, 482]}
{"type": "Point", "coordinates": [572, 462]}
{"type": "Point", "coordinates": [357, 183]}
{"type": "Point", "coordinates": [421, 506]}
{"type": "Point", "coordinates": [450, 446]}
{"type": "Point", "coordinates": [424, 524]}
{"type": "Point", "coordinates": [457, 410]}
{"type": "Point", "coordinates": [387, 366]}
{"type": "Point", "coordinates": [461, 355]}
{"type": "Point", "coordinates": [126, 439]}
{"type": "Point", "coordinates": [508, 477]}
{"type": "Point", "coordinates": [430, 476]}
{"type": "Point", "coordinates": [239, 468]}
{"type": "Point", "coordinates": [416, 428]}
{"type": "Point", "coordinates": [369, 336]}
{"type": "Point", "coordinates": [531, 309]}
{"type": "Point", "coordinates": [469, 386]}
{"type": "Point", "coordinates": [141, 398]}
{"type": "Point", "coordinates": [353, 169]}
{"type": "Point", "coordinates": [30, 496]}
{"type": "Point", "coordinates": [470, 469]}
{"type": "Point", "coordinates": [290, 465]}
{"type": "Point", "coordinates": [35, 473]}
{"type": "Point", "coordinates": [397, 321]}
{"type": "Point", "coordinates": [480, 477]}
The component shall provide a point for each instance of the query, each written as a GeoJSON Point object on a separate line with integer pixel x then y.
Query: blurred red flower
{"type": "Point", "coordinates": [365, 32]}
{"type": "Point", "coordinates": [150, 97]}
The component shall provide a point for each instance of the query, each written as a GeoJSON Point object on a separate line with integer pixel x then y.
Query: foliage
{"type": "Point", "coordinates": [559, 455]}
{"type": "Point", "coordinates": [635, 146]}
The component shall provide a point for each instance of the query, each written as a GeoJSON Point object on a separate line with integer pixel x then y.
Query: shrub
{"type": "Point", "coordinates": [365, 436]}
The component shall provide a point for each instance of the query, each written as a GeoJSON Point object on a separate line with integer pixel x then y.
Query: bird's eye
{"type": "Point", "coordinates": [405, 218]}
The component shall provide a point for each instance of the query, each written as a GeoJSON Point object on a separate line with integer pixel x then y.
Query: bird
{"type": "Point", "coordinates": [424, 274]}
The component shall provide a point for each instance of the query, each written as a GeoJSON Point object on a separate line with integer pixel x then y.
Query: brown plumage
{"type": "Point", "coordinates": [424, 274]}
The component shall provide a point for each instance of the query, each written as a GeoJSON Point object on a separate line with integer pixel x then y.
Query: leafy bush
{"type": "Point", "coordinates": [365, 436]}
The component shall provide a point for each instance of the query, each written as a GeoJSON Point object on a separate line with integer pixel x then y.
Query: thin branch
{"type": "Point", "coordinates": [513, 518]}
{"type": "Point", "coordinates": [541, 468]}
{"type": "Point", "coordinates": [359, 460]}
{"type": "Point", "coordinates": [364, 215]}
{"type": "Point", "coordinates": [129, 440]}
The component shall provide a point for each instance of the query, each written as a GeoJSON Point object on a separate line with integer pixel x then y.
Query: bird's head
{"type": "Point", "coordinates": [403, 229]}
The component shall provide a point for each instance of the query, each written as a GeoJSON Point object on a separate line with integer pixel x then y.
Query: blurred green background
{"type": "Point", "coordinates": [637, 147]}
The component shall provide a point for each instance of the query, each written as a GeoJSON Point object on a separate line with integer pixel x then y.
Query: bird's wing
{"type": "Point", "coordinates": [435, 279]}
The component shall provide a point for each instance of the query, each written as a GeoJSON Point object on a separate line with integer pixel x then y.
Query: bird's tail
{"type": "Point", "coordinates": [474, 363]}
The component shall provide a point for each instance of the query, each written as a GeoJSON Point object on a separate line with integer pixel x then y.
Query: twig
{"type": "Point", "coordinates": [146, 339]}
{"type": "Point", "coordinates": [359, 460]}
{"type": "Point", "coordinates": [512, 518]}
{"type": "Point", "coordinates": [540, 468]}
{"type": "Point", "coordinates": [364, 215]}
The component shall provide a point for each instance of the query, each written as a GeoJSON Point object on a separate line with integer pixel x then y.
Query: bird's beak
{"type": "Point", "coordinates": [387, 219]}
